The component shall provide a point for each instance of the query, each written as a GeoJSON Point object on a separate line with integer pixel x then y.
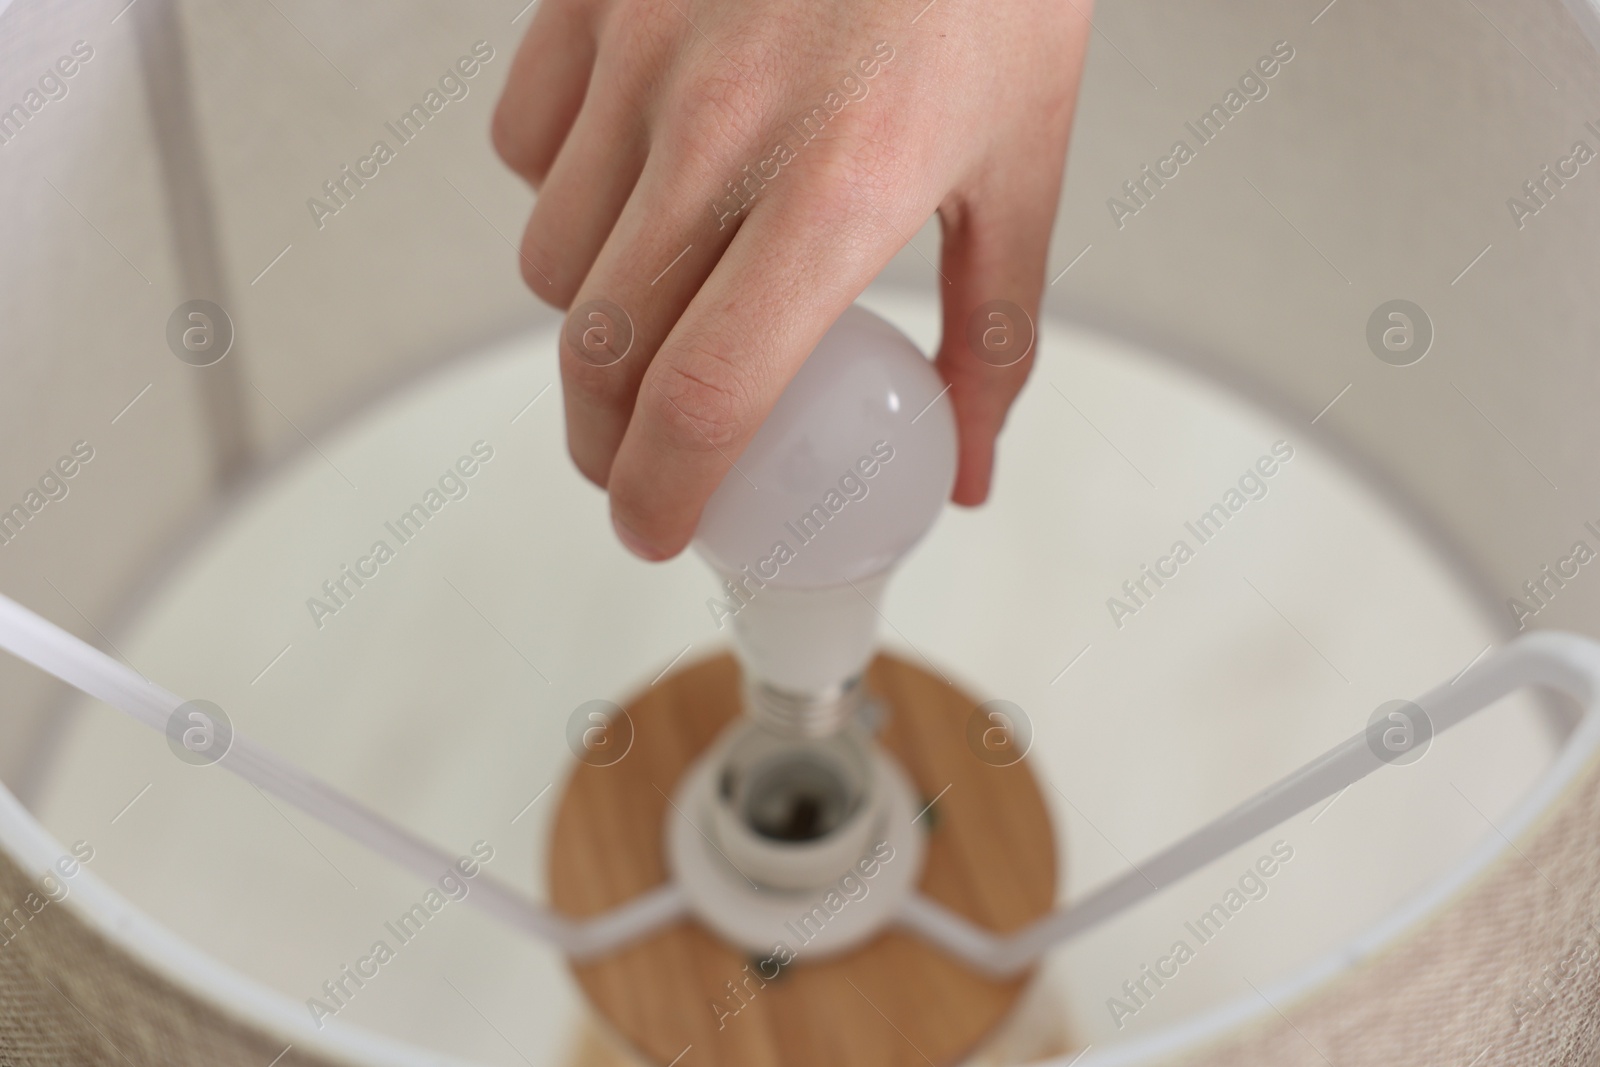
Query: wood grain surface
{"type": "Point", "coordinates": [894, 1002]}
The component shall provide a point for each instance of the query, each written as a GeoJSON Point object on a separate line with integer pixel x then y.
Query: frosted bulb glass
{"type": "Point", "coordinates": [847, 473]}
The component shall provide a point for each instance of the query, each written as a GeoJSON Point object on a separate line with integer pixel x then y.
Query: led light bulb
{"type": "Point", "coordinates": [847, 473]}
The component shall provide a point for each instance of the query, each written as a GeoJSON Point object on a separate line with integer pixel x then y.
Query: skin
{"type": "Point", "coordinates": [630, 118]}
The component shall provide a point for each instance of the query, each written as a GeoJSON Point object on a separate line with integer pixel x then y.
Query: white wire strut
{"type": "Point", "coordinates": [1565, 662]}
{"type": "Point", "coordinates": [1561, 661]}
{"type": "Point", "coordinates": [38, 641]}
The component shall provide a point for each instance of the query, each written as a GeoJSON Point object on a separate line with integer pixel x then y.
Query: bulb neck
{"type": "Point", "coordinates": [807, 645]}
{"type": "Point", "coordinates": [810, 715]}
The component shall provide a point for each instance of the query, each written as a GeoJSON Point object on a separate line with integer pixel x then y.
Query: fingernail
{"type": "Point", "coordinates": [636, 544]}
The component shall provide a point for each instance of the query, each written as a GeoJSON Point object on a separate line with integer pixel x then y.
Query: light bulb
{"type": "Point", "coordinates": [847, 473]}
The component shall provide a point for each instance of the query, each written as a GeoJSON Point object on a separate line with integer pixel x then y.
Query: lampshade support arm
{"type": "Point", "coordinates": [1565, 662]}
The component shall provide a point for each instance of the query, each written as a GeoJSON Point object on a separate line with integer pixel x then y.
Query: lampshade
{"type": "Point", "coordinates": [1339, 349]}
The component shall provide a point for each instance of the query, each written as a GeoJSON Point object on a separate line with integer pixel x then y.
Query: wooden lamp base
{"type": "Point", "coordinates": [897, 1001]}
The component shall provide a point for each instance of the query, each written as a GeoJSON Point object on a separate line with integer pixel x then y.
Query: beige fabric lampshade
{"type": "Point", "coordinates": [1507, 973]}
{"type": "Point", "coordinates": [68, 995]}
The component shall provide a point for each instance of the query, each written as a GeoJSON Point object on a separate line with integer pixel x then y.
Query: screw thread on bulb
{"type": "Point", "coordinates": [807, 715]}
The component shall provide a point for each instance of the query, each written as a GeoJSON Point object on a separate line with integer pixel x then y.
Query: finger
{"type": "Point", "coordinates": [797, 262]}
{"type": "Point", "coordinates": [993, 261]}
{"type": "Point", "coordinates": [549, 77]}
{"type": "Point", "coordinates": [585, 192]}
{"type": "Point", "coordinates": [670, 234]}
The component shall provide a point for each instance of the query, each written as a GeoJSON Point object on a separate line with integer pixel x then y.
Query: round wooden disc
{"type": "Point", "coordinates": [896, 1001]}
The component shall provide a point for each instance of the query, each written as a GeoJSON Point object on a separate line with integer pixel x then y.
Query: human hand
{"type": "Point", "coordinates": [731, 174]}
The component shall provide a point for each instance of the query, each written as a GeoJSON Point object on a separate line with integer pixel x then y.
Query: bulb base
{"type": "Point", "coordinates": [811, 715]}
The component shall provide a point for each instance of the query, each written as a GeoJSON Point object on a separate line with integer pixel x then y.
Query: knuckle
{"type": "Point", "coordinates": [868, 162]}
{"type": "Point", "coordinates": [596, 338]}
{"type": "Point", "coordinates": [601, 386]}
{"type": "Point", "coordinates": [597, 469]}
{"type": "Point", "coordinates": [508, 137]}
{"type": "Point", "coordinates": [832, 208]}
{"type": "Point", "coordinates": [502, 133]}
{"type": "Point", "coordinates": [569, 12]}
{"type": "Point", "coordinates": [712, 106]}
{"type": "Point", "coordinates": [541, 274]}
{"type": "Point", "coordinates": [856, 187]}
{"type": "Point", "coordinates": [702, 409]}
{"type": "Point", "coordinates": [641, 32]}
